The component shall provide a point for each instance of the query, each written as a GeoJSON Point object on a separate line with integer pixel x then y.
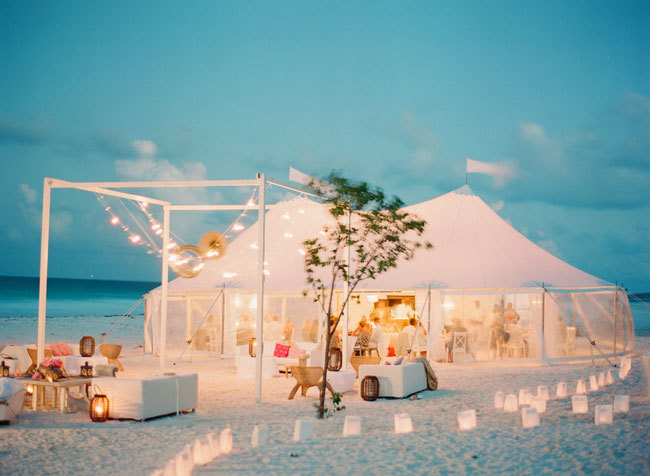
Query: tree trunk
{"type": "Point", "coordinates": [321, 400]}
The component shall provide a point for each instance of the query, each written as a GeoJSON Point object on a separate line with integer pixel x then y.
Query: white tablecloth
{"type": "Point", "coordinates": [73, 363]}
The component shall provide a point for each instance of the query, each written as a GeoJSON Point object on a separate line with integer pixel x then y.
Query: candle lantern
{"type": "Point", "coordinates": [4, 370]}
{"type": "Point", "coordinates": [86, 370]}
{"type": "Point", "coordinates": [29, 389]}
{"type": "Point", "coordinates": [579, 404]}
{"type": "Point", "coordinates": [352, 425]}
{"type": "Point", "coordinates": [252, 347]}
{"type": "Point", "coordinates": [403, 423]}
{"type": "Point", "coordinates": [603, 414]}
{"type": "Point", "coordinates": [99, 408]}
{"type": "Point", "coordinates": [499, 400]}
{"type": "Point", "coordinates": [336, 359]}
{"type": "Point", "coordinates": [622, 403]}
{"type": "Point", "coordinates": [593, 383]}
{"type": "Point", "coordinates": [466, 419]}
{"type": "Point", "coordinates": [581, 388]}
{"type": "Point", "coordinates": [370, 388]}
{"type": "Point", "coordinates": [561, 390]}
{"type": "Point", "coordinates": [529, 417]}
{"type": "Point", "coordinates": [87, 346]}
{"type": "Point", "coordinates": [510, 403]}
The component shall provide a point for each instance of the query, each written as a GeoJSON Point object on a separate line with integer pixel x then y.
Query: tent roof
{"type": "Point", "coordinates": [474, 248]}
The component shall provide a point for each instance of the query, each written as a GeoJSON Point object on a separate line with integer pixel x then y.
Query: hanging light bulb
{"type": "Point", "coordinates": [144, 204]}
{"type": "Point", "coordinates": [229, 275]}
{"type": "Point", "coordinates": [135, 239]}
{"type": "Point", "coordinates": [115, 220]}
{"type": "Point", "coordinates": [155, 226]}
{"type": "Point", "coordinates": [171, 245]}
{"type": "Point", "coordinates": [238, 227]}
{"type": "Point", "coordinates": [286, 216]}
{"type": "Point", "coordinates": [250, 203]}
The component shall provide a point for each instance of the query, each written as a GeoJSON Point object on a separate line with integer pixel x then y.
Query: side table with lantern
{"type": "Point", "coordinates": [61, 389]}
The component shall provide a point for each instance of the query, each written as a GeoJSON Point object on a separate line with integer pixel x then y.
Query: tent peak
{"type": "Point", "coordinates": [464, 190]}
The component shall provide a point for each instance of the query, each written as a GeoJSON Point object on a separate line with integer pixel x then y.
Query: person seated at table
{"type": "Point", "coordinates": [336, 340]}
{"type": "Point", "coordinates": [511, 315]}
{"type": "Point", "coordinates": [360, 327]}
{"type": "Point", "coordinates": [273, 330]}
{"type": "Point", "coordinates": [288, 330]}
{"type": "Point", "coordinates": [363, 338]}
{"type": "Point", "coordinates": [410, 329]}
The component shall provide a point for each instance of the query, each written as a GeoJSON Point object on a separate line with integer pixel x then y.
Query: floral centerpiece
{"type": "Point", "coordinates": [50, 369]}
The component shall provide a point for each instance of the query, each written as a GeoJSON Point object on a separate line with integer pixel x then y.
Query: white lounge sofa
{"type": "Point", "coordinates": [154, 396]}
{"type": "Point", "coordinates": [396, 381]}
{"type": "Point", "coordinates": [271, 365]}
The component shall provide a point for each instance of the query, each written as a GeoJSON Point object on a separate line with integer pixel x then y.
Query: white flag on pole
{"type": "Point", "coordinates": [299, 177]}
{"type": "Point", "coordinates": [499, 172]}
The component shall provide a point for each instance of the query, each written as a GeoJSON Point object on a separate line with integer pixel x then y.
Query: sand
{"type": "Point", "coordinates": [51, 443]}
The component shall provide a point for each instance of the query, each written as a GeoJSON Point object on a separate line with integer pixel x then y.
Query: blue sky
{"type": "Point", "coordinates": [395, 93]}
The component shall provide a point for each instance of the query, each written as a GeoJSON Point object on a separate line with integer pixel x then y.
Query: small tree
{"type": "Point", "coordinates": [378, 234]}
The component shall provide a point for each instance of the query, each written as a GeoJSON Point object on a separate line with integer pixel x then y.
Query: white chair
{"type": "Point", "coordinates": [459, 344]}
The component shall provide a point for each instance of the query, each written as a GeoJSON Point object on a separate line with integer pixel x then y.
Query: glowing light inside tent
{"type": "Point", "coordinates": [253, 245]}
{"type": "Point", "coordinates": [448, 304]}
{"type": "Point", "coordinates": [238, 227]}
{"type": "Point", "coordinates": [144, 204]}
{"type": "Point", "coordinates": [135, 239]}
{"type": "Point", "coordinates": [288, 235]}
{"type": "Point", "coordinates": [372, 298]}
{"type": "Point", "coordinates": [198, 267]}
{"type": "Point", "coordinates": [171, 245]}
{"type": "Point", "coordinates": [229, 275]}
{"type": "Point", "coordinates": [155, 226]}
{"type": "Point", "coordinates": [253, 304]}
{"type": "Point", "coordinates": [267, 272]}
{"type": "Point", "coordinates": [286, 216]}
{"type": "Point", "coordinates": [238, 302]}
{"type": "Point", "coordinates": [301, 211]}
{"type": "Point", "coordinates": [250, 203]}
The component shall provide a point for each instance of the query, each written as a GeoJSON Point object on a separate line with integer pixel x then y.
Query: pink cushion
{"type": "Point", "coordinates": [281, 350]}
{"type": "Point", "coordinates": [60, 348]}
{"type": "Point", "coordinates": [294, 352]}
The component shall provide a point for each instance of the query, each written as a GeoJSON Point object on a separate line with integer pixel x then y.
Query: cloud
{"type": "Point", "coordinates": [603, 164]}
{"type": "Point", "coordinates": [145, 148]}
{"type": "Point", "coordinates": [12, 132]}
{"type": "Point", "coordinates": [29, 193]}
{"type": "Point", "coordinates": [497, 206]}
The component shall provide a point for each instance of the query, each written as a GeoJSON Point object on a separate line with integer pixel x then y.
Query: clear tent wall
{"type": "Point", "coordinates": [216, 321]}
{"type": "Point", "coordinates": [551, 323]}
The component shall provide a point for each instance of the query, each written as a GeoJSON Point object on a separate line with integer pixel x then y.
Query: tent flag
{"type": "Point", "coordinates": [299, 177]}
{"type": "Point", "coordinates": [500, 172]}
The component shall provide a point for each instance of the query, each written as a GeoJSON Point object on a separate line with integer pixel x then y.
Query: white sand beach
{"type": "Point", "coordinates": [52, 443]}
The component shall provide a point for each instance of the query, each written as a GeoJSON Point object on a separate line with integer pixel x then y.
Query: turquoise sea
{"type": "Point", "coordinates": [94, 297]}
{"type": "Point", "coordinates": [70, 297]}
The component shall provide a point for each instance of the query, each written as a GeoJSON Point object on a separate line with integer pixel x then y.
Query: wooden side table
{"type": "Point", "coordinates": [61, 390]}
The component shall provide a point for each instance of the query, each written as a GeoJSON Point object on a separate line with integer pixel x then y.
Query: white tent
{"type": "Point", "coordinates": [477, 256]}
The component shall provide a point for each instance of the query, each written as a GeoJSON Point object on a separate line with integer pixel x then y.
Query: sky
{"type": "Point", "coordinates": [397, 94]}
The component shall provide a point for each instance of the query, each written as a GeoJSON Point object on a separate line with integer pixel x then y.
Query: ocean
{"type": "Point", "coordinates": [94, 297]}
{"type": "Point", "coordinates": [71, 297]}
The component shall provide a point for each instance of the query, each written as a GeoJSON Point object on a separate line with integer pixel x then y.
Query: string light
{"type": "Point", "coordinates": [288, 235]}
{"type": "Point", "coordinates": [238, 227]}
{"type": "Point", "coordinates": [229, 275]}
{"type": "Point", "coordinates": [135, 239]}
{"type": "Point", "coordinates": [115, 220]}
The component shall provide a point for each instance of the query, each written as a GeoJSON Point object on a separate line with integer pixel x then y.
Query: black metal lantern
{"type": "Point", "coordinates": [87, 346]}
{"type": "Point", "coordinates": [99, 408]}
{"type": "Point", "coordinates": [86, 370]}
{"type": "Point", "coordinates": [336, 359]}
{"type": "Point", "coordinates": [370, 388]}
{"type": "Point", "coordinates": [4, 370]}
{"type": "Point", "coordinates": [252, 347]}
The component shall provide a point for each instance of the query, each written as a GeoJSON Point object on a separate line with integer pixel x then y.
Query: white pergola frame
{"type": "Point", "coordinates": [106, 188]}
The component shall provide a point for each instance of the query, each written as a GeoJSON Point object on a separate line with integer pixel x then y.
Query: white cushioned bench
{"type": "Point", "coordinates": [154, 396]}
{"type": "Point", "coordinates": [397, 381]}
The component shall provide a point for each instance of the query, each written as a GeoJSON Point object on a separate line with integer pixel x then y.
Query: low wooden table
{"type": "Point", "coordinates": [61, 390]}
{"type": "Point", "coordinates": [307, 377]}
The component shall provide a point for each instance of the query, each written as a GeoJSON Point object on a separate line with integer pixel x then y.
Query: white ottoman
{"type": "Point", "coordinates": [397, 381]}
{"type": "Point", "coordinates": [646, 369]}
{"type": "Point", "coordinates": [341, 381]}
{"type": "Point", "coordinates": [140, 399]}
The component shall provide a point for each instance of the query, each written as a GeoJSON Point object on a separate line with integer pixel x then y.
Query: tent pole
{"type": "Point", "coordinates": [164, 287]}
{"type": "Point", "coordinates": [543, 331]}
{"type": "Point", "coordinates": [346, 288]}
{"type": "Point", "coordinates": [223, 316]}
{"type": "Point", "coordinates": [42, 285]}
{"type": "Point", "coordinates": [429, 311]}
{"type": "Point", "coordinates": [261, 183]}
{"type": "Point", "coordinates": [615, 317]}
